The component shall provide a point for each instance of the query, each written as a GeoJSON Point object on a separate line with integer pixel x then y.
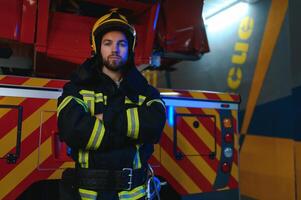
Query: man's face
{"type": "Point", "coordinates": [114, 50]}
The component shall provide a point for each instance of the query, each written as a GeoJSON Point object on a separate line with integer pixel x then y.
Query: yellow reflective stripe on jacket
{"type": "Point", "coordinates": [137, 161]}
{"type": "Point", "coordinates": [133, 122]}
{"type": "Point", "coordinates": [83, 158]}
{"type": "Point", "coordinates": [140, 102]}
{"type": "Point", "coordinates": [134, 194]}
{"type": "Point", "coordinates": [87, 194]}
{"type": "Point", "coordinates": [156, 100]}
{"type": "Point", "coordinates": [89, 99]}
{"type": "Point", "coordinates": [96, 136]}
{"type": "Point", "coordinates": [99, 97]}
{"type": "Point", "coordinates": [105, 98]}
{"type": "Point", "coordinates": [65, 102]}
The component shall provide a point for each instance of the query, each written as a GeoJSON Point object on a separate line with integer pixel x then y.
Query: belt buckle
{"type": "Point", "coordinates": [130, 175]}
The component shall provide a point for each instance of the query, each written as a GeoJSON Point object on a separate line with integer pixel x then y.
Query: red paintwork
{"type": "Point", "coordinates": [28, 22]}
{"type": "Point", "coordinates": [179, 27]}
{"type": "Point", "coordinates": [68, 37]}
{"type": "Point", "coordinates": [10, 19]}
{"type": "Point", "coordinates": [42, 25]}
{"type": "Point", "coordinates": [65, 37]}
{"type": "Point", "coordinates": [130, 5]}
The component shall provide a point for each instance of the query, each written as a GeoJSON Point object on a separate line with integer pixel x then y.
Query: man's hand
{"type": "Point", "coordinates": [99, 116]}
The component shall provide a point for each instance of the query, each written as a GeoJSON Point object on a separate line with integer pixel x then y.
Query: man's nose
{"type": "Point", "coordinates": [115, 48]}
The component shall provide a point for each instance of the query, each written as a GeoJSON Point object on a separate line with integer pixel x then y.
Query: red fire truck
{"type": "Point", "coordinates": [198, 154]}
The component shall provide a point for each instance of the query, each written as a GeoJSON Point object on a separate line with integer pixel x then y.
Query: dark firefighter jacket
{"type": "Point", "coordinates": [133, 119]}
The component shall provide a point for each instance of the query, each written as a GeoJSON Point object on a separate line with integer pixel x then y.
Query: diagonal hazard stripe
{"type": "Point", "coordinates": [1, 77]}
{"type": "Point", "coordinates": [9, 101]}
{"type": "Point", "coordinates": [18, 81]}
{"type": "Point", "coordinates": [56, 84]}
{"type": "Point", "coordinates": [13, 80]}
{"type": "Point", "coordinates": [236, 136]}
{"type": "Point", "coordinates": [188, 168]}
{"type": "Point", "coordinates": [225, 97]}
{"type": "Point", "coordinates": [35, 176]}
{"type": "Point", "coordinates": [210, 121]}
{"type": "Point", "coordinates": [191, 137]}
{"type": "Point", "coordinates": [196, 160]}
{"type": "Point", "coordinates": [36, 82]}
{"type": "Point", "coordinates": [186, 133]}
{"type": "Point", "coordinates": [30, 144]}
{"type": "Point", "coordinates": [23, 169]}
{"type": "Point", "coordinates": [29, 106]}
{"type": "Point", "coordinates": [58, 173]}
{"type": "Point", "coordinates": [208, 124]}
{"type": "Point", "coordinates": [30, 124]}
{"type": "Point", "coordinates": [275, 19]}
{"type": "Point", "coordinates": [178, 173]}
{"type": "Point", "coordinates": [206, 135]}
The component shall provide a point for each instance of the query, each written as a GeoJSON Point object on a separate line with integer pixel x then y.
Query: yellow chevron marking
{"type": "Point", "coordinates": [23, 169]}
{"type": "Point", "coordinates": [29, 125]}
{"type": "Point", "coordinates": [197, 161]}
{"type": "Point", "coordinates": [224, 97]}
{"type": "Point", "coordinates": [207, 137]}
{"type": "Point", "coordinates": [234, 171]}
{"type": "Point", "coordinates": [178, 173]}
{"type": "Point", "coordinates": [197, 95]}
{"type": "Point", "coordinates": [18, 100]}
{"type": "Point", "coordinates": [9, 101]}
{"type": "Point", "coordinates": [36, 82]}
{"type": "Point", "coordinates": [58, 173]}
{"type": "Point", "coordinates": [204, 135]}
{"type": "Point", "coordinates": [272, 29]}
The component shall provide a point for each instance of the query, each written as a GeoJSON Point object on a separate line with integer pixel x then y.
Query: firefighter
{"type": "Point", "coordinates": [110, 117]}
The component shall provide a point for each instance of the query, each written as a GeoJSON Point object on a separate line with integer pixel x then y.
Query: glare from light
{"type": "Point", "coordinates": [170, 93]}
{"type": "Point", "coordinates": [227, 17]}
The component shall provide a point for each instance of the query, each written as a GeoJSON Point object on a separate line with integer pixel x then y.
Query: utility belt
{"type": "Point", "coordinates": [104, 180]}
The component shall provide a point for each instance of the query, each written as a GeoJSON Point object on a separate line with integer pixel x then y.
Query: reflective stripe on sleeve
{"type": "Point", "coordinates": [66, 100]}
{"type": "Point", "coordinates": [99, 97]}
{"type": "Point", "coordinates": [155, 100]}
{"type": "Point", "coordinates": [96, 136]}
{"type": "Point", "coordinates": [83, 158]}
{"type": "Point", "coordinates": [134, 194]}
{"type": "Point", "coordinates": [140, 102]}
{"type": "Point", "coordinates": [132, 122]}
{"type": "Point", "coordinates": [87, 194]}
{"type": "Point", "coordinates": [89, 99]}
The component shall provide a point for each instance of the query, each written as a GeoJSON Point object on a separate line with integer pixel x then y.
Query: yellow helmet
{"type": "Point", "coordinates": [110, 22]}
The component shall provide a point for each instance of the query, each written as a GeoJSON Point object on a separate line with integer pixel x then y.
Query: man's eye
{"type": "Point", "coordinates": [123, 44]}
{"type": "Point", "coordinates": [106, 43]}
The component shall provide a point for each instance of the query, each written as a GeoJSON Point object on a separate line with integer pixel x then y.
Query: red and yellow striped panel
{"type": "Point", "coordinates": [192, 174]}
{"type": "Point", "coordinates": [31, 82]}
{"type": "Point", "coordinates": [202, 95]}
{"type": "Point", "coordinates": [36, 161]}
{"type": "Point", "coordinates": [196, 172]}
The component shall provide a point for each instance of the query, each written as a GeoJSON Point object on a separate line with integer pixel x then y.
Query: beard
{"type": "Point", "coordinates": [113, 64]}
